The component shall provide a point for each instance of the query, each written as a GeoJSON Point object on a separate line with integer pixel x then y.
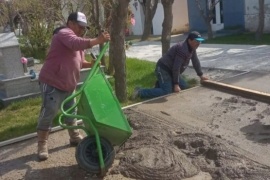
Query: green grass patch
{"type": "Point", "coordinates": [243, 38]}
{"type": "Point", "coordinates": [20, 118]}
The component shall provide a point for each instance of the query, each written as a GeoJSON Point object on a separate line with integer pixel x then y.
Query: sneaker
{"type": "Point", "coordinates": [135, 94]}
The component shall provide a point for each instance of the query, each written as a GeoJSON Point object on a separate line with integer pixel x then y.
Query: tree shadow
{"type": "Point", "coordinates": [13, 148]}
{"type": "Point", "coordinates": [257, 132]}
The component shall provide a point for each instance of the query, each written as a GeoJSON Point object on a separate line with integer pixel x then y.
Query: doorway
{"type": "Point", "coordinates": [217, 22]}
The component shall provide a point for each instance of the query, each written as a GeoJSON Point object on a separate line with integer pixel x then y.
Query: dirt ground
{"type": "Point", "coordinates": [213, 135]}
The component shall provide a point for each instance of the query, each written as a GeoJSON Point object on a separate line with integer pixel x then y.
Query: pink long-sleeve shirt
{"type": "Point", "coordinates": [62, 65]}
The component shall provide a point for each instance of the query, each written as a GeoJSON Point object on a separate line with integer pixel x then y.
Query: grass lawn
{"type": "Point", "coordinates": [20, 118]}
{"type": "Point", "coordinates": [243, 38]}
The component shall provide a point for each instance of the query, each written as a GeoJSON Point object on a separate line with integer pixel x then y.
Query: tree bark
{"type": "Point", "coordinates": [10, 16]}
{"type": "Point", "coordinates": [117, 49]}
{"type": "Point", "coordinates": [166, 25]}
{"type": "Point", "coordinates": [98, 15]}
{"type": "Point", "coordinates": [149, 12]}
{"type": "Point", "coordinates": [260, 28]}
{"type": "Point", "coordinates": [209, 30]}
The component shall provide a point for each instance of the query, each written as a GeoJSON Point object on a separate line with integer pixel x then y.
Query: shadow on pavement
{"type": "Point", "coordinates": [21, 163]}
{"type": "Point", "coordinates": [257, 132]}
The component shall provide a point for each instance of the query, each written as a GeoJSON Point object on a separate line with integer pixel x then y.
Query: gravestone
{"type": "Point", "coordinates": [10, 55]}
{"type": "Point", "coordinates": [14, 83]}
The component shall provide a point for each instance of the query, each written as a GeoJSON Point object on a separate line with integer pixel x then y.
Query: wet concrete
{"type": "Point", "coordinates": [251, 80]}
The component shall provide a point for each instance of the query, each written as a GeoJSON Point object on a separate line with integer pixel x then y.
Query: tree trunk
{"type": "Point", "coordinates": [109, 14]}
{"type": "Point", "coordinates": [110, 70]}
{"type": "Point", "coordinates": [98, 11]}
{"type": "Point", "coordinates": [207, 14]}
{"type": "Point", "coordinates": [10, 16]}
{"type": "Point", "coordinates": [117, 49]}
{"type": "Point", "coordinates": [260, 28]}
{"type": "Point", "coordinates": [149, 12]}
{"type": "Point", "coordinates": [166, 25]}
{"type": "Point", "coordinates": [209, 30]}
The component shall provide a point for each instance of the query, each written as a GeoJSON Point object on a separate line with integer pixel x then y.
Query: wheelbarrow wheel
{"type": "Point", "coordinates": [87, 154]}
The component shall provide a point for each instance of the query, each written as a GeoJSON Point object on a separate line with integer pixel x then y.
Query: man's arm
{"type": "Point", "coordinates": [67, 37]}
{"type": "Point", "coordinates": [197, 66]}
{"type": "Point", "coordinates": [86, 64]}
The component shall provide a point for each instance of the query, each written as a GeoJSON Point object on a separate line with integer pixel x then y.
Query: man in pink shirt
{"type": "Point", "coordinates": [60, 74]}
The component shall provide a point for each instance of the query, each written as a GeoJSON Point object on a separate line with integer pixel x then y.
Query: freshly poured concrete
{"type": "Point", "coordinates": [258, 81]}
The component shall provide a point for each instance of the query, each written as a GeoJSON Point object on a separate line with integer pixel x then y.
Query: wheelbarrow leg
{"type": "Point", "coordinates": [100, 155]}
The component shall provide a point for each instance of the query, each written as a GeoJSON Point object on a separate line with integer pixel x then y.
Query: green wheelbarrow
{"type": "Point", "coordinates": [103, 121]}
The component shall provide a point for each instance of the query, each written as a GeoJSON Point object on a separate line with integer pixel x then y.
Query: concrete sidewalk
{"type": "Point", "coordinates": [233, 57]}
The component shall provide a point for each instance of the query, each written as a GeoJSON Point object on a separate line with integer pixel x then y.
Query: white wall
{"type": "Point", "coordinates": [139, 17]}
{"type": "Point", "coordinates": [251, 15]}
{"type": "Point", "coordinates": [180, 16]}
{"type": "Point", "coordinates": [158, 20]}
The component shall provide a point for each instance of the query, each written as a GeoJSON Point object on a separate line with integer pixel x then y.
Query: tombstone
{"type": "Point", "coordinates": [14, 82]}
{"type": "Point", "coordinates": [10, 55]}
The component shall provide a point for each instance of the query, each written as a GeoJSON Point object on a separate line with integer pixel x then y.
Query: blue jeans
{"type": "Point", "coordinates": [165, 85]}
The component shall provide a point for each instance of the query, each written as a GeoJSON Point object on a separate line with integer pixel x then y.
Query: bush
{"type": "Point", "coordinates": [37, 40]}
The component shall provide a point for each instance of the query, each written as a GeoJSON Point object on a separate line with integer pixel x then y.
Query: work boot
{"type": "Point", "coordinates": [74, 134]}
{"type": "Point", "coordinates": [42, 145]}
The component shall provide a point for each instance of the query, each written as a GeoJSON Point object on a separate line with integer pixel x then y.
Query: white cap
{"type": "Point", "coordinates": [79, 17]}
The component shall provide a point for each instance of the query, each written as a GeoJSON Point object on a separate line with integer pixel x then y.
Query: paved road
{"type": "Point", "coordinates": [235, 57]}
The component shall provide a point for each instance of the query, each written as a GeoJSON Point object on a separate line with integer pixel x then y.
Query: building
{"type": "Point", "coordinates": [180, 17]}
{"type": "Point", "coordinates": [229, 14]}
{"type": "Point", "coordinates": [251, 15]}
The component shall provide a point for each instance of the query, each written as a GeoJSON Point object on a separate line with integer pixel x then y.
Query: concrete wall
{"type": "Point", "coordinates": [180, 16]}
{"type": "Point", "coordinates": [251, 15]}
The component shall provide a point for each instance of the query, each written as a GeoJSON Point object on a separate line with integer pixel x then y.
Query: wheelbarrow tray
{"type": "Point", "coordinates": [99, 104]}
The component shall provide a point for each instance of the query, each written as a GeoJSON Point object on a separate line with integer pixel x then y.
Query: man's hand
{"type": "Point", "coordinates": [104, 37]}
{"type": "Point", "coordinates": [203, 78]}
{"type": "Point", "coordinates": [176, 88]}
